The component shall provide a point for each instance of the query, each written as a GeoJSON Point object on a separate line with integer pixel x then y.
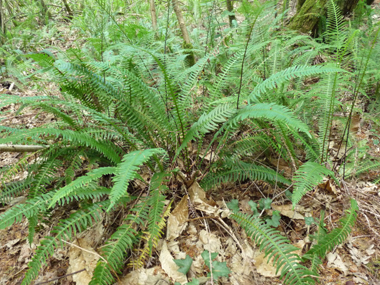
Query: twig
{"type": "Point", "coordinates": [21, 148]}
{"type": "Point", "coordinates": [57, 278]}
{"type": "Point", "coordinates": [89, 251]}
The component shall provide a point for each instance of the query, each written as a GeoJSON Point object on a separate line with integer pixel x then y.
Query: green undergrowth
{"type": "Point", "coordinates": [131, 106]}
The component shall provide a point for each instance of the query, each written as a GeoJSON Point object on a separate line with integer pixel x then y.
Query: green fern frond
{"type": "Point", "coordinates": [119, 244]}
{"type": "Point", "coordinates": [327, 101]}
{"type": "Point", "coordinates": [248, 145]}
{"type": "Point", "coordinates": [46, 172]}
{"type": "Point", "coordinates": [338, 235]}
{"type": "Point", "coordinates": [92, 192]}
{"type": "Point", "coordinates": [156, 223]}
{"type": "Point", "coordinates": [13, 189]}
{"type": "Point", "coordinates": [179, 112]}
{"type": "Point", "coordinates": [80, 182]}
{"type": "Point", "coordinates": [271, 112]}
{"type": "Point", "coordinates": [74, 163]}
{"type": "Point", "coordinates": [277, 248]}
{"type": "Point", "coordinates": [68, 135]}
{"type": "Point", "coordinates": [126, 171]}
{"type": "Point", "coordinates": [28, 209]}
{"type": "Point", "coordinates": [221, 82]}
{"type": "Point", "coordinates": [285, 75]}
{"type": "Point", "coordinates": [367, 167]}
{"type": "Point", "coordinates": [76, 223]}
{"type": "Point", "coordinates": [335, 26]}
{"type": "Point", "coordinates": [307, 177]}
{"type": "Point", "coordinates": [33, 221]}
{"type": "Point", "coordinates": [240, 171]}
{"type": "Point", "coordinates": [207, 123]}
{"type": "Point", "coordinates": [54, 110]}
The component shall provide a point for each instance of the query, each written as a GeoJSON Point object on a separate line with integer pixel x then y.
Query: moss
{"type": "Point", "coordinates": [308, 15]}
{"type": "Point", "coordinates": [190, 59]}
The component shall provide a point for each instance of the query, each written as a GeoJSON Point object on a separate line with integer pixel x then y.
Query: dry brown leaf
{"type": "Point", "coordinates": [177, 219]}
{"type": "Point", "coordinates": [286, 210]}
{"type": "Point", "coordinates": [169, 266]}
{"type": "Point", "coordinates": [263, 267]}
{"type": "Point", "coordinates": [335, 261]}
{"type": "Point", "coordinates": [328, 186]}
{"type": "Point", "coordinates": [151, 276]}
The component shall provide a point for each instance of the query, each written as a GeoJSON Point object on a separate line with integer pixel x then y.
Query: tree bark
{"type": "Point", "coordinates": [347, 6]}
{"type": "Point", "coordinates": [69, 11]}
{"type": "Point", "coordinates": [154, 16]}
{"type": "Point", "coordinates": [2, 23]}
{"type": "Point", "coordinates": [44, 11]}
{"type": "Point", "coordinates": [309, 12]}
{"type": "Point", "coordinates": [230, 8]}
{"type": "Point", "coordinates": [186, 38]}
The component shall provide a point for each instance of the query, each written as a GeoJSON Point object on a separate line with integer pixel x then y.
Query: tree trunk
{"type": "Point", "coordinates": [308, 14]}
{"type": "Point", "coordinates": [310, 11]}
{"type": "Point", "coordinates": [69, 11]}
{"type": "Point", "coordinates": [230, 8]}
{"type": "Point", "coordinates": [2, 23]}
{"type": "Point", "coordinates": [154, 16]}
{"type": "Point", "coordinates": [186, 38]}
{"type": "Point", "coordinates": [347, 6]}
{"type": "Point", "coordinates": [44, 11]}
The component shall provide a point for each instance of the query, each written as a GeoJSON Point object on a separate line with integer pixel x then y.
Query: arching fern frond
{"type": "Point", "coordinates": [338, 235]}
{"type": "Point", "coordinates": [68, 135]}
{"type": "Point", "coordinates": [119, 244]}
{"type": "Point", "coordinates": [307, 177]}
{"type": "Point", "coordinates": [240, 171]}
{"type": "Point", "coordinates": [28, 209]}
{"type": "Point", "coordinates": [126, 171]}
{"type": "Point", "coordinates": [276, 248]}
{"type": "Point", "coordinates": [76, 223]}
{"type": "Point", "coordinates": [81, 182]}
{"type": "Point", "coordinates": [271, 112]}
{"type": "Point", "coordinates": [207, 123]}
{"type": "Point", "coordinates": [156, 223]}
{"type": "Point", "coordinates": [13, 189]}
{"type": "Point", "coordinates": [285, 75]}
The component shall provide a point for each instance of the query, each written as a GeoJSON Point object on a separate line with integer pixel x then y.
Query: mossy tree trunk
{"type": "Point", "coordinates": [186, 38]}
{"type": "Point", "coordinates": [44, 11]}
{"type": "Point", "coordinates": [309, 12]}
{"type": "Point", "coordinates": [230, 8]}
{"type": "Point", "coordinates": [2, 23]}
{"type": "Point", "coordinates": [154, 16]}
{"type": "Point", "coordinates": [68, 9]}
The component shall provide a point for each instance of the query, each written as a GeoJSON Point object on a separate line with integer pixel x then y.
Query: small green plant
{"type": "Point", "coordinates": [217, 269]}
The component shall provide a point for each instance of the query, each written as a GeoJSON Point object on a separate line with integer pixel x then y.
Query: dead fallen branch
{"type": "Point", "coordinates": [21, 148]}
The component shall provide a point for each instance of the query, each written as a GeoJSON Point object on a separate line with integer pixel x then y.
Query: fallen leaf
{"type": "Point", "coordinates": [177, 219]}
{"type": "Point", "coordinates": [286, 210]}
{"type": "Point", "coordinates": [169, 266]}
{"type": "Point", "coordinates": [335, 261]}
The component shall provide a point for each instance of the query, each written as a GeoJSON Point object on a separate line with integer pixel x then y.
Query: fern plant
{"type": "Point", "coordinates": [123, 107]}
{"type": "Point", "coordinates": [282, 254]}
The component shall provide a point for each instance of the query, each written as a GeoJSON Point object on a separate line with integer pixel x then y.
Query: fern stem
{"type": "Point", "coordinates": [356, 92]}
{"type": "Point", "coordinates": [242, 61]}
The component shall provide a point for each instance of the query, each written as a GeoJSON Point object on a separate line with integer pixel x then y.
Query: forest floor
{"type": "Point", "coordinates": [357, 259]}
